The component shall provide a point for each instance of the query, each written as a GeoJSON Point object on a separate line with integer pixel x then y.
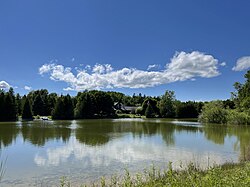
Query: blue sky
{"type": "Point", "coordinates": [189, 46]}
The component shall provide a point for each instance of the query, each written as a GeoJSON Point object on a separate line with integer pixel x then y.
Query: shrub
{"type": "Point", "coordinates": [213, 112]}
{"type": "Point", "coordinates": [138, 111]}
{"type": "Point", "coordinates": [238, 118]}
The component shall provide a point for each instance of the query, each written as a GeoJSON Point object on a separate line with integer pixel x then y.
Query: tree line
{"type": "Point", "coordinates": [91, 104]}
{"type": "Point", "coordinates": [100, 104]}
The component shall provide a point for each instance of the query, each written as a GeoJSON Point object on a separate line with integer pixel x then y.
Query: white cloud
{"type": "Point", "coordinates": [183, 66]}
{"type": "Point", "coordinates": [45, 68]}
{"type": "Point", "coordinates": [223, 64]}
{"type": "Point", "coordinates": [27, 88]}
{"type": "Point", "coordinates": [153, 66]}
{"type": "Point", "coordinates": [4, 85]}
{"type": "Point", "coordinates": [242, 63]}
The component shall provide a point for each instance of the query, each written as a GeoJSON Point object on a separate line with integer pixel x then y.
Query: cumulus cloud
{"type": "Point", "coordinates": [45, 68]}
{"type": "Point", "coordinates": [27, 88]}
{"type": "Point", "coordinates": [153, 66]}
{"type": "Point", "coordinates": [183, 66]}
{"type": "Point", "coordinates": [242, 63]}
{"type": "Point", "coordinates": [4, 85]}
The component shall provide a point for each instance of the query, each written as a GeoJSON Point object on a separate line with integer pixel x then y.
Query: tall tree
{"type": "Point", "coordinates": [166, 104]}
{"type": "Point", "coordinates": [27, 112]}
{"type": "Point", "coordinates": [85, 106]}
{"type": "Point", "coordinates": [68, 107]}
{"type": "Point", "coordinates": [63, 108]}
{"type": "Point", "coordinates": [50, 104]}
{"type": "Point", "coordinates": [242, 94]}
{"type": "Point", "coordinates": [38, 106]}
{"type": "Point", "coordinates": [10, 108]}
{"type": "Point", "coordinates": [19, 104]}
{"type": "Point", "coordinates": [58, 112]}
{"type": "Point", "coordinates": [103, 103]}
{"type": "Point", "coordinates": [153, 104]}
{"type": "Point", "coordinates": [149, 113]}
{"type": "Point", "coordinates": [2, 103]}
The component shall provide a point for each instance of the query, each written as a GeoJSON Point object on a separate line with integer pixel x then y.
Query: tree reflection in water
{"type": "Point", "coordinates": [100, 132]}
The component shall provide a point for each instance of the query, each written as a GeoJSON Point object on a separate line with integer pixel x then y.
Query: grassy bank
{"type": "Point", "coordinates": [225, 175]}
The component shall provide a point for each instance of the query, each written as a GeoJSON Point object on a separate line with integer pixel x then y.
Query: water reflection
{"type": "Point", "coordinates": [87, 146]}
{"type": "Point", "coordinates": [98, 133]}
{"type": "Point", "coordinates": [8, 134]}
{"type": "Point", "coordinates": [38, 133]}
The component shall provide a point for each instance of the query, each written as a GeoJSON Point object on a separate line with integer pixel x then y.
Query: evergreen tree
{"type": "Point", "coordinates": [68, 107]}
{"type": "Point", "coordinates": [51, 103]}
{"type": "Point", "coordinates": [27, 112]}
{"type": "Point", "coordinates": [19, 104]}
{"type": "Point", "coordinates": [85, 106]}
{"type": "Point", "coordinates": [38, 106]}
{"type": "Point", "coordinates": [64, 108]}
{"type": "Point", "coordinates": [2, 103]}
{"type": "Point", "coordinates": [153, 104]}
{"type": "Point", "coordinates": [149, 113]}
{"type": "Point", "coordinates": [58, 112]}
{"type": "Point", "coordinates": [10, 108]}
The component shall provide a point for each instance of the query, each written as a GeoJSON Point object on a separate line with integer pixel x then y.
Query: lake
{"type": "Point", "coordinates": [39, 153]}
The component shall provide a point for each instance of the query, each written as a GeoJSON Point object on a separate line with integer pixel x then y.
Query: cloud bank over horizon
{"type": "Point", "coordinates": [183, 66]}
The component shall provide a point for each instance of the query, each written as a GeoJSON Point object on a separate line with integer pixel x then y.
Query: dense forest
{"type": "Point", "coordinates": [100, 104]}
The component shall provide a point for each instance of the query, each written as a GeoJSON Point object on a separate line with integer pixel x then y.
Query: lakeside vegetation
{"type": "Point", "coordinates": [237, 113]}
{"type": "Point", "coordinates": [100, 104]}
{"type": "Point", "coordinates": [225, 175]}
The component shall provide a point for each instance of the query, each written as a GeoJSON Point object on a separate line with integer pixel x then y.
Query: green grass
{"type": "Point", "coordinates": [226, 175]}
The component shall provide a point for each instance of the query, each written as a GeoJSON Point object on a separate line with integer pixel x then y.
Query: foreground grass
{"type": "Point", "coordinates": [225, 175]}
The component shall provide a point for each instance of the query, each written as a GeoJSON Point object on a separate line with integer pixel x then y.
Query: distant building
{"type": "Point", "coordinates": [123, 108]}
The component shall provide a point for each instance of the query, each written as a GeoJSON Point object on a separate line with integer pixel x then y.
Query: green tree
{"type": "Point", "coordinates": [68, 107]}
{"type": "Point", "coordinates": [63, 108]}
{"type": "Point", "coordinates": [166, 104]}
{"type": "Point", "coordinates": [51, 102]}
{"type": "Point", "coordinates": [10, 108]}
{"type": "Point", "coordinates": [38, 106]}
{"type": "Point", "coordinates": [85, 106]}
{"type": "Point", "coordinates": [27, 111]}
{"type": "Point", "coordinates": [242, 95]}
{"type": "Point", "coordinates": [187, 109]}
{"type": "Point", "coordinates": [103, 103]}
{"type": "Point", "coordinates": [2, 103]}
{"type": "Point", "coordinates": [214, 112]}
{"type": "Point", "coordinates": [19, 104]}
{"type": "Point", "coordinates": [58, 112]}
{"type": "Point", "coordinates": [149, 113]}
{"type": "Point", "coordinates": [153, 104]}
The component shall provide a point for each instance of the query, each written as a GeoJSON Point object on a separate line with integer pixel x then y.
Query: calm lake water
{"type": "Point", "coordinates": [39, 153]}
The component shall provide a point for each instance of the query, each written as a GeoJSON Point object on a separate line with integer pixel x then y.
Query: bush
{"type": "Point", "coordinates": [138, 111]}
{"type": "Point", "coordinates": [238, 118]}
{"type": "Point", "coordinates": [213, 112]}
